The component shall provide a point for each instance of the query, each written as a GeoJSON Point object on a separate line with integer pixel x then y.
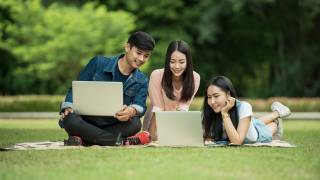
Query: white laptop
{"type": "Point", "coordinates": [178, 128]}
{"type": "Point", "coordinates": [97, 98]}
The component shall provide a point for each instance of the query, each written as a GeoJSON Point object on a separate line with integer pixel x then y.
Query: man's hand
{"type": "Point", "coordinates": [126, 113]}
{"type": "Point", "coordinates": [65, 112]}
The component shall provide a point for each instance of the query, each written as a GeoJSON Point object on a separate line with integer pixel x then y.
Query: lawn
{"type": "Point", "coordinates": [302, 162]}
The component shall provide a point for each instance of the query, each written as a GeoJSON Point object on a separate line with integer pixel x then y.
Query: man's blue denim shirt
{"type": "Point", "coordinates": [101, 68]}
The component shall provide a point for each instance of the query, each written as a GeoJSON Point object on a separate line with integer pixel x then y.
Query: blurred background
{"type": "Point", "coordinates": [270, 49]}
{"type": "Point", "coordinates": [266, 47]}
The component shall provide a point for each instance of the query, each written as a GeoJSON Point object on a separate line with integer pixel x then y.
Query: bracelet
{"type": "Point", "coordinates": [225, 115]}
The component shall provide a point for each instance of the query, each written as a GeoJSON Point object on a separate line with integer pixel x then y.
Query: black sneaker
{"type": "Point", "coordinates": [73, 141]}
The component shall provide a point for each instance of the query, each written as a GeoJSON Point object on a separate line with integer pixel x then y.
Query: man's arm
{"type": "Point", "coordinates": [137, 107]}
{"type": "Point", "coordinates": [139, 101]}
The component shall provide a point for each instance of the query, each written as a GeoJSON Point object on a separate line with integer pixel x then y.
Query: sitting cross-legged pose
{"type": "Point", "coordinates": [120, 129]}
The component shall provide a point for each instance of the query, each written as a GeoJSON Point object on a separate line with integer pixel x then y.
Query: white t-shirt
{"type": "Point", "coordinates": [245, 110]}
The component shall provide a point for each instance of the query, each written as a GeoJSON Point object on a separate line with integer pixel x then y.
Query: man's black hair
{"type": "Point", "coordinates": [142, 40]}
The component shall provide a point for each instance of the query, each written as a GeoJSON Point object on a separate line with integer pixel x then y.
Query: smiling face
{"type": "Point", "coordinates": [136, 57]}
{"type": "Point", "coordinates": [217, 98]}
{"type": "Point", "coordinates": [178, 64]}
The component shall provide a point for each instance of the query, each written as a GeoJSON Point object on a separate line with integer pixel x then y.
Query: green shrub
{"type": "Point", "coordinates": [295, 104]}
{"type": "Point", "coordinates": [47, 103]}
{"type": "Point", "coordinates": [30, 103]}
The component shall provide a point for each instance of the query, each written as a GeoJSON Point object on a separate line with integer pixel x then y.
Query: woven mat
{"type": "Point", "coordinates": [45, 145]}
{"type": "Point", "coordinates": [273, 143]}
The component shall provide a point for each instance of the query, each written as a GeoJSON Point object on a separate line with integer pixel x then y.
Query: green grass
{"type": "Point", "coordinates": [302, 162]}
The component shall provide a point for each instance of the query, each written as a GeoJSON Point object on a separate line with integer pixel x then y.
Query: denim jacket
{"type": "Point", "coordinates": [101, 68]}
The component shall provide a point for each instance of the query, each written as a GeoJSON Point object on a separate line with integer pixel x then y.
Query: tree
{"type": "Point", "coordinates": [266, 47]}
{"type": "Point", "coordinates": [51, 44]}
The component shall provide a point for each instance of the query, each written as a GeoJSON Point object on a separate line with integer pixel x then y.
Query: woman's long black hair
{"type": "Point", "coordinates": [211, 121]}
{"type": "Point", "coordinates": [187, 76]}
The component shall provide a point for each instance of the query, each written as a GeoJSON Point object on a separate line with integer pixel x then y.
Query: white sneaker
{"type": "Point", "coordinates": [282, 110]}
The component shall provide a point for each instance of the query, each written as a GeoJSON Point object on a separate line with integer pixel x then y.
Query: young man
{"type": "Point", "coordinates": [120, 129]}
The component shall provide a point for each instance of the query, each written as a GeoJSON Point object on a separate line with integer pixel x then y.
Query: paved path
{"type": "Point", "coordinates": [54, 115]}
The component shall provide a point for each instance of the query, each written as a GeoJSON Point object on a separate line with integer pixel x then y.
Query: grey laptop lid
{"type": "Point", "coordinates": [178, 128]}
{"type": "Point", "coordinates": [97, 98]}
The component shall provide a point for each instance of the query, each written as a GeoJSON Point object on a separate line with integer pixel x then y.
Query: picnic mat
{"type": "Point", "coordinates": [273, 143]}
{"type": "Point", "coordinates": [45, 145]}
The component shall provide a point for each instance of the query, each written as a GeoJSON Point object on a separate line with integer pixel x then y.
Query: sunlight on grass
{"type": "Point", "coordinates": [302, 162]}
{"type": "Point", "coordinates": [29, 124]}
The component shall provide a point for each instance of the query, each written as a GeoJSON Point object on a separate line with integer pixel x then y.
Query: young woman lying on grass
{"type": "Point", "coordinates": [226, 118]}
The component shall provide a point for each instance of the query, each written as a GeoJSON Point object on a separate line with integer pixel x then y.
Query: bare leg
{"type": "Point", "coordinates": [269, 117]}
{"type": "Point", "coordinates": [273, 126]}
{"type": "Point", "coordinates": [153, 128]}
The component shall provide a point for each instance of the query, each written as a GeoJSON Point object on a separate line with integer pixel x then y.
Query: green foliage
{"type": "Point", "coordinates": [165, 20]}
{"type": "Point", "coordinates": [53, 43]}
{"type": "Point", "coordinates": [266, 47]}
{"type": "Point", "coordinates": [263, 46]}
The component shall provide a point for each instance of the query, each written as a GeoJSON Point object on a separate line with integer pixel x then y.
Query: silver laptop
{"type": "Point", "coordinates": [177, 128]}
{"type": "Point", "coordinates": [97, 98]}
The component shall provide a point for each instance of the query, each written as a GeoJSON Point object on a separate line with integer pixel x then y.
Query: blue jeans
{"type": "Point", "coordinates": [264, 131]}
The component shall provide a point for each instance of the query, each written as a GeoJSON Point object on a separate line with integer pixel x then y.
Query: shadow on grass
{"type": "Point", "coordinates": [16, 135]}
